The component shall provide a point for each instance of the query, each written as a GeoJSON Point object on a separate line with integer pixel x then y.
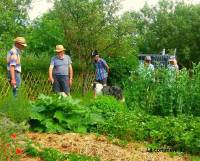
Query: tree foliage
{"type": "Point", "coordinates": [13, 20]}
{"type": "Point", "coordinates": [171, 26]}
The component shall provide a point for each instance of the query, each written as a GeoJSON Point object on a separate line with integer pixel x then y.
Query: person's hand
{"type": "Point", "coordinates": [13, 82]}
{"type": "Point", "coordinates": [51, 80]}
{"type": "Point", "coordinates": [70, 82]}
{"type": "Point", "coordinates": [108, 73]}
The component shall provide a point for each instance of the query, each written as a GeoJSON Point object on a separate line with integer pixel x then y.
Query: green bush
{"type": "Point", "coordinates": [30, 62]}
{"type": "Point", "coordinates": [33, 63]}
{"type": "Point", "coordinates": [120, 68]}
{"type": "Point", "coordinates": [59, 114]}
{"type": "Point", "coordinates": [106, 106]}
{"type": "Point", "coordinates": [180, 133]}
{"type": "Point", "coordinates": [165, 95]}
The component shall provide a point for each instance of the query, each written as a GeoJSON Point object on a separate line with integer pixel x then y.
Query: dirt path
{"type": "Point", "coordinates": [91, 145]}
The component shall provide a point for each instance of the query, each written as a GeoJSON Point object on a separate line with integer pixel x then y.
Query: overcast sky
{"type": "Point", "coordinates": [41, 6]}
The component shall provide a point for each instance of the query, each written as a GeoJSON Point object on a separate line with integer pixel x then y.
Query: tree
{"type": "Point", "coordinates": [171, 26]}
{"type": "Point", "coordinates": [13, 19]}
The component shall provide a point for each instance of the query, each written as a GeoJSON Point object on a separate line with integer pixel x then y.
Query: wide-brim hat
{"type": "Point", "coordinates": [172, 58]}
{"type": "Point", "coordinates": [59, 48]}
{"type": "Point", "coordinates": [20, 40]}
{"type": "Point", "coordinates": [148, 58]}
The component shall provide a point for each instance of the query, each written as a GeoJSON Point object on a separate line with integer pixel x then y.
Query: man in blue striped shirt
{"type": "Point", "coordinates": [14, 64]}
{"type": "Point", "coordinates": [102, 69]}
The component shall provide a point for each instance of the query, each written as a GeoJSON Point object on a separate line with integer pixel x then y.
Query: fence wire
{"type": "Point", "coordinates": [35, 83]}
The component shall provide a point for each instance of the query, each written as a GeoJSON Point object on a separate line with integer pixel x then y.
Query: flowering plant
{"type": "Point", "coordinates": [12, 139]}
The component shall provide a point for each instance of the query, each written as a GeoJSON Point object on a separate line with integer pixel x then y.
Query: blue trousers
{"type": "Point", "coordinates": [18, 82]}
{"type": "Point", "coordinates": [61, 84]}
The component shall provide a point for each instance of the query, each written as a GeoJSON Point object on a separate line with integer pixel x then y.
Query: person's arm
{"type": "Point", "coordinates": [107, 67]}
{"type": "Point", "coordinates": [51, 71]}
{"type": "Point", "coordinates": [12, 75]}
{"type": "Point", "coordinates": [70, 75]}
{"type": "Point", "coordinates": [13, 62]}
{"type": "Point", "coordinates": [51, 74]}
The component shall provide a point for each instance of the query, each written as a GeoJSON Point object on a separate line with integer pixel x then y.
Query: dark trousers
{"type": "Point", "coordinates": [61, 83]}
{"type": "Point", "coordinates": [103, 82]}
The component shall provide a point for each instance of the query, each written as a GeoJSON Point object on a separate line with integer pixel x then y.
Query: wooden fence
{"type": "Point", "coordinates": [34, 83]}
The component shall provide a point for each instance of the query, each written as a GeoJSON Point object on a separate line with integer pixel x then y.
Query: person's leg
{"type": "Point", "coordinates": [94, 88]}
{"type": "Point", "coordinates": [18, 83]}
{"type": "Point", "coordinates": [64, 82]}
{"type": "Point", "coordinates": [104, 82]}
{"type": "Point", "coordinates": [56, 84]}
{"type": "Point", "coordinates": [98, 86]}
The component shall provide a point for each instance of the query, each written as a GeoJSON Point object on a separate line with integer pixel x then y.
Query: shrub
{"type": "Point", "coordinates": [30, 62]}
{"type": "Point", "coordinates": [120, 68]}
{"type": "Point", "coordinates": [106, 105]}
{"type": "Point", "coordinates": [180, 133]}
{"type": "Point", "coordinates": [59, 114]}
{"type": "Point", "coordinates": [165, 95]}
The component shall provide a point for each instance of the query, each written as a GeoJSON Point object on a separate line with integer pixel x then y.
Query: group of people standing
{"type": "Point", "coordinates": [60, 69]}
{"type": "Point", "coordinates": [147, 68]}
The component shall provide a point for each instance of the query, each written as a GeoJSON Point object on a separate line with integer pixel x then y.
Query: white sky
{"type": "Point", "coordinates": [41, 6]}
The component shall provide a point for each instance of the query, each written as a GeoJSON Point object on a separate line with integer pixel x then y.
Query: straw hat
{"type": "Point", "coordinates": [59, 48]}
{"type": "Point", "coordinates": [20, 40]}
{"type": "Point", "coordinates": [172, 58]}
{"type": "Point", "coordinates": [148, 58]}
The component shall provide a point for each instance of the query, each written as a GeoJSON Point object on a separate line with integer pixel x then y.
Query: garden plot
{"type": "Point", "coordinates": [92, 145]}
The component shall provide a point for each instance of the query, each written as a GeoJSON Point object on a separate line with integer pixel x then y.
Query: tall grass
{"type": "Point", "coordinates": [164, 94]}
{"type": "Point", "coordinates": [16, 108]}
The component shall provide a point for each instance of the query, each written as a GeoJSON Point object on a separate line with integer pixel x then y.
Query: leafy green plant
{"type": "Point", "coordinates": [179, 133]}
{"type": "Point", "coordinates": [59, 114]}
{"type": "Point", "coordinates": [106, 106]}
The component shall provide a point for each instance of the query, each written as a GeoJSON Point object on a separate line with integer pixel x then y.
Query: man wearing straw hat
{"type": "Point", "coordinates": [146, 68]}
{"type": "Point", "coordinates": [172, 68]}
{"type": "Point", "coordinates": [61, 71]}
{"type": "Point", "coordinates": [14, 64]}
{"type": "Point", "coordinates": [173, 64]}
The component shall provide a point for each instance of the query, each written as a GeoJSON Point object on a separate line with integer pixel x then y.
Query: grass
{"type": "Point", "coordinates": [16, 108]}
{"type": "Point", "coordinates": [194, 158]}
